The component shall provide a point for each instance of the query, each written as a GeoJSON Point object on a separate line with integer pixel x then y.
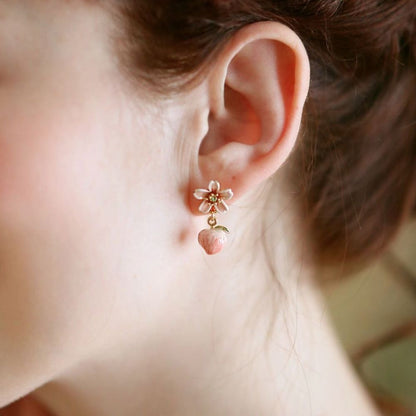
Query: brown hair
{"type": "Point", "coordinates": [358, 150]}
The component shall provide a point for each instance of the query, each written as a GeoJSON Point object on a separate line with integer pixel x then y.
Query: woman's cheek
{"type": "Point", "coordinates": [53, 223]}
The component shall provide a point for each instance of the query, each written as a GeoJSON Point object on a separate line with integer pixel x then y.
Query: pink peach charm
{"type": "Point", "coordinates": [213, 202]}
{"type": "Point", "coordinates": [212, 239]}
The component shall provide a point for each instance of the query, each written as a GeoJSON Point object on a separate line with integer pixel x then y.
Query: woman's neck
{"type": "Point", "coordinates": [212, 371]}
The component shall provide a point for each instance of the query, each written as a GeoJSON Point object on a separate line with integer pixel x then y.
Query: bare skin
{"type": "Point", "coordinates": [107, 303]}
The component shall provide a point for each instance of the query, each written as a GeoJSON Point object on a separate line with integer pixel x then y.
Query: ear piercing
{"type": "Point", "coordinates": [213, 201]}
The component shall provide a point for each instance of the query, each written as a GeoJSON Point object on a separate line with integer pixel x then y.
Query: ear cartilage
{"type": "Point", "coordinates": [213, 199]}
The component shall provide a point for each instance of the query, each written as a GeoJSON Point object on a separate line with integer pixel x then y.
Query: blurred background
{"type": "Point", "coordinates": [374, 313]}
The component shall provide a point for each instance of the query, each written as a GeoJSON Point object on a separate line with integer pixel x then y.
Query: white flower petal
{"type": "Point", "coordinates": [205, 206]}
{"type": "Point", "coordinates": [222, 207]}
{"type": "Point", "coordinates": [226, 194]}
{"type": "Point", "coordinates": [214, 186]}
{"type": "Point", "coordinates": [201, 193]}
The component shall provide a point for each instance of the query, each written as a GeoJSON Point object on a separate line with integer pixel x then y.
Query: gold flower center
{"type": "Point", "coordinates": [213, 198]}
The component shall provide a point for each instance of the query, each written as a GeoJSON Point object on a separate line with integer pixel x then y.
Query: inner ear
{"type": "Point", "coordinates": [240, 110]}
{"type": "Point", "coordinates": [227, 127]}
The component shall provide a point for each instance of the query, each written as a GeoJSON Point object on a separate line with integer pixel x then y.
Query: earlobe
{"type": "Point", "coordinates": [257, 89]}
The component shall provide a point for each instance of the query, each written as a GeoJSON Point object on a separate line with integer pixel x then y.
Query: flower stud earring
{"type": "Point", "coordinates": [213, 201]}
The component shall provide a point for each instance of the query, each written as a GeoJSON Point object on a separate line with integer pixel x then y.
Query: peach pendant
{"type": "Point", "coordinates": [213, 201]}
{"type": "Point", "coordinates": [213, 239]}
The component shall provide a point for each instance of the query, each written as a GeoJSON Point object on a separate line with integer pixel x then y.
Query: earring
{"type": "Point", "coordinates": [213, 201]}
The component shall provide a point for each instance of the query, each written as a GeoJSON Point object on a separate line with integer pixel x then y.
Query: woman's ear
{"type": "Point", "coordinates": [256, 91]}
